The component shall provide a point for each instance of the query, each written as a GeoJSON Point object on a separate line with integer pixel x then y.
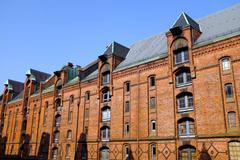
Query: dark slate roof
{"type": "Point", "coordinates": [184, 20]}
{"type": "Point", "coordinates": [116, 49]}
{"type": "Point", "coordinates": [16, 86]}
{"type": "Point", "coordinates": [145, 51]}
{"type": "Point", "coordinates": [220, 24]}
{"type": "Point", "coordinates": [213, 27]}
{"type": "Point", "coordinates": [38, 75]}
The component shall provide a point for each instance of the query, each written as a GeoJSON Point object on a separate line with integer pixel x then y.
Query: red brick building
{"type": "Point", "coordinates": [173, 96]}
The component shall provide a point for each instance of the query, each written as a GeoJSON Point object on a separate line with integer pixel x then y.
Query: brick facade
{"type": "Point", "coordinates": [143, 111]}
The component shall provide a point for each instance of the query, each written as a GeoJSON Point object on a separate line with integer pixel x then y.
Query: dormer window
{"type": "Point", "coordinates": [181, 56]}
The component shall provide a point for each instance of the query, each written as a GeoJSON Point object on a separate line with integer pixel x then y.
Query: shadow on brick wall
{"type": "Point", "coordinates": [82, 150]}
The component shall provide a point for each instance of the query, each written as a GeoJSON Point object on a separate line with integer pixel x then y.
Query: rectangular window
{"type": "Point", "coordinates": [87, 96]}
{"type": "Point", "coordinates": [126, 129]}
{"type": "Point", "coordinates": [154, 152]}
{"type": "Point", "coordinates": [70, 117]}
{"type": "Point", "coordinates": [152, 81]}
{"type": "Point", "coordinates": [153, 125]}
{"type": "Point", "coordinates": [105, 78]}
{"type": "Point", "coordinates": [106, 96]}
{"type": "Point", "coordinates": [127, 87]}
{"type": "Point", "coordinates": [232, 120]}
{"type": "Point", "coordinates": [152, 102]}
{"type": "Point", "coordinates": [229, 91]}
{"type": "Point", "coordinates": [127, 106]}
{"type": "Point", "coordinates": [181, 56]}
{"type": "Point", "coordinates": [106, 114]}
{"type": "Point", "coordinates": [186, 128]}
{"type": "Point", "coordinates": [225, 64]}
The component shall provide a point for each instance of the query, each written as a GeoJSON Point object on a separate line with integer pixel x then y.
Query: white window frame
{"type": "Point", "coordinates": [106, 114]}
{"type": "Point", "coordinates": [107, 94]}
{"type": "Point", "coordinates": [182, 53]}
{"type": "Point", "coordinates": [187, 106]}
{"type": "Point", "coordinates": [152, 128]}
{"type": "Point", "coordinates": [188, 134]}
{"type": "Point", "coordinates": [185, 82]}
{"type": "Point", "coordinates": [107, 134]}
{"type": "Point", "coordinates": [225, 64]}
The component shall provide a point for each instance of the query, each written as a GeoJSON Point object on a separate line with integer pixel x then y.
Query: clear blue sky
{"type": "Point", "coordinates": [45, 34]}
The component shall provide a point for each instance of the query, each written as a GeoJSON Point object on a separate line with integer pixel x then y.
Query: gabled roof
{"type": "Point", "coordinates": [184, 20]}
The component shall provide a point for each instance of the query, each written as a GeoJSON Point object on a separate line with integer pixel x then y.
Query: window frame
{"type": "Point", "coordinates": [186, 124]}
{"type": "Point", "coordinates": [153, 126]}
{"type": "Point", "coordinates": [185, 102]}
{"type": "Point", "coordinates": [185, 75]}
{"type": "Point", "coordinates": [226, 64]}
{"type": "Point", "coordinates": [181, 54]}
{"type": "Point", "coordinates": [106, 114]}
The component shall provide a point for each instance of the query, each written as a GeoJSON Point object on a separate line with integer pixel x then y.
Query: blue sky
{"type": "Point", "coordinates": [46, 34]}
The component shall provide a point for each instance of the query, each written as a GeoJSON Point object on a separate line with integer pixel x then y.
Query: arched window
{"type": "Point", "coordinates": [180, 50]}
{"type": "Point", "coordinates": [232, 120]}
{"type": "Point", "coordinates": [105, 74]}
{"type": "Point", "coordinates": [55, 153]}
{"type": "Point", "coordinates": [106, 95]}
{"type": "Point", "coordinates": [69, 134]}
{"type": "Point", "coordinates": [229, 90]}
{"type": "Point", "coordinates": [187, 153]}
{"type": "Point", "coordinates": [127, 87]}
{"type": "Point", "coordinates": [234, 150]}
{"type": "Point", "coordinates": [225, 64]}
{"type": "Point", "coordinates": [68, 150]}
{"type": "Point", "coordinates": [183, 77]}
{"type": "Point", "coordinates": [56, 136]}
{"type": "Point", "coordinates": [104, 153]}
{"type": "Point", "coordinates": [186, 127]}
{"type": "Point", "coordinates": [57, 120]}
{"type": "Point", "coordinates": [106, 113]}
{"type": "Point", "coordinates": [127, 152]}
{"type": "Point", "coordinates": [105, 133]}
{"type": "Point", "coordinates": [126, 128]}
{"type": "Point", "coordinates": [153, 151]}
{"type": "Point", "coordinates": [152, 81]}
{"type": "Point", "coordinates": [153, 125]}
{"type": "Point", "coordinates": [185, 101]}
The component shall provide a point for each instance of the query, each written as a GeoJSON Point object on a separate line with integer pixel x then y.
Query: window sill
{"type": "Point", "coordinates": [185, 110]}
{"type": "Point", "coordinates": [229, 100]}
{"type": "Point", "coordinates": [184, 85]}
{"type": "Point", "coordinates": [186, 136]}
{"type": "Point", "coordinates": [181, 63]}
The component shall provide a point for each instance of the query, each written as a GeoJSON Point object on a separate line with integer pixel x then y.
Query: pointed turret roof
{"type": "Point", "coordinates": [184, 20]}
